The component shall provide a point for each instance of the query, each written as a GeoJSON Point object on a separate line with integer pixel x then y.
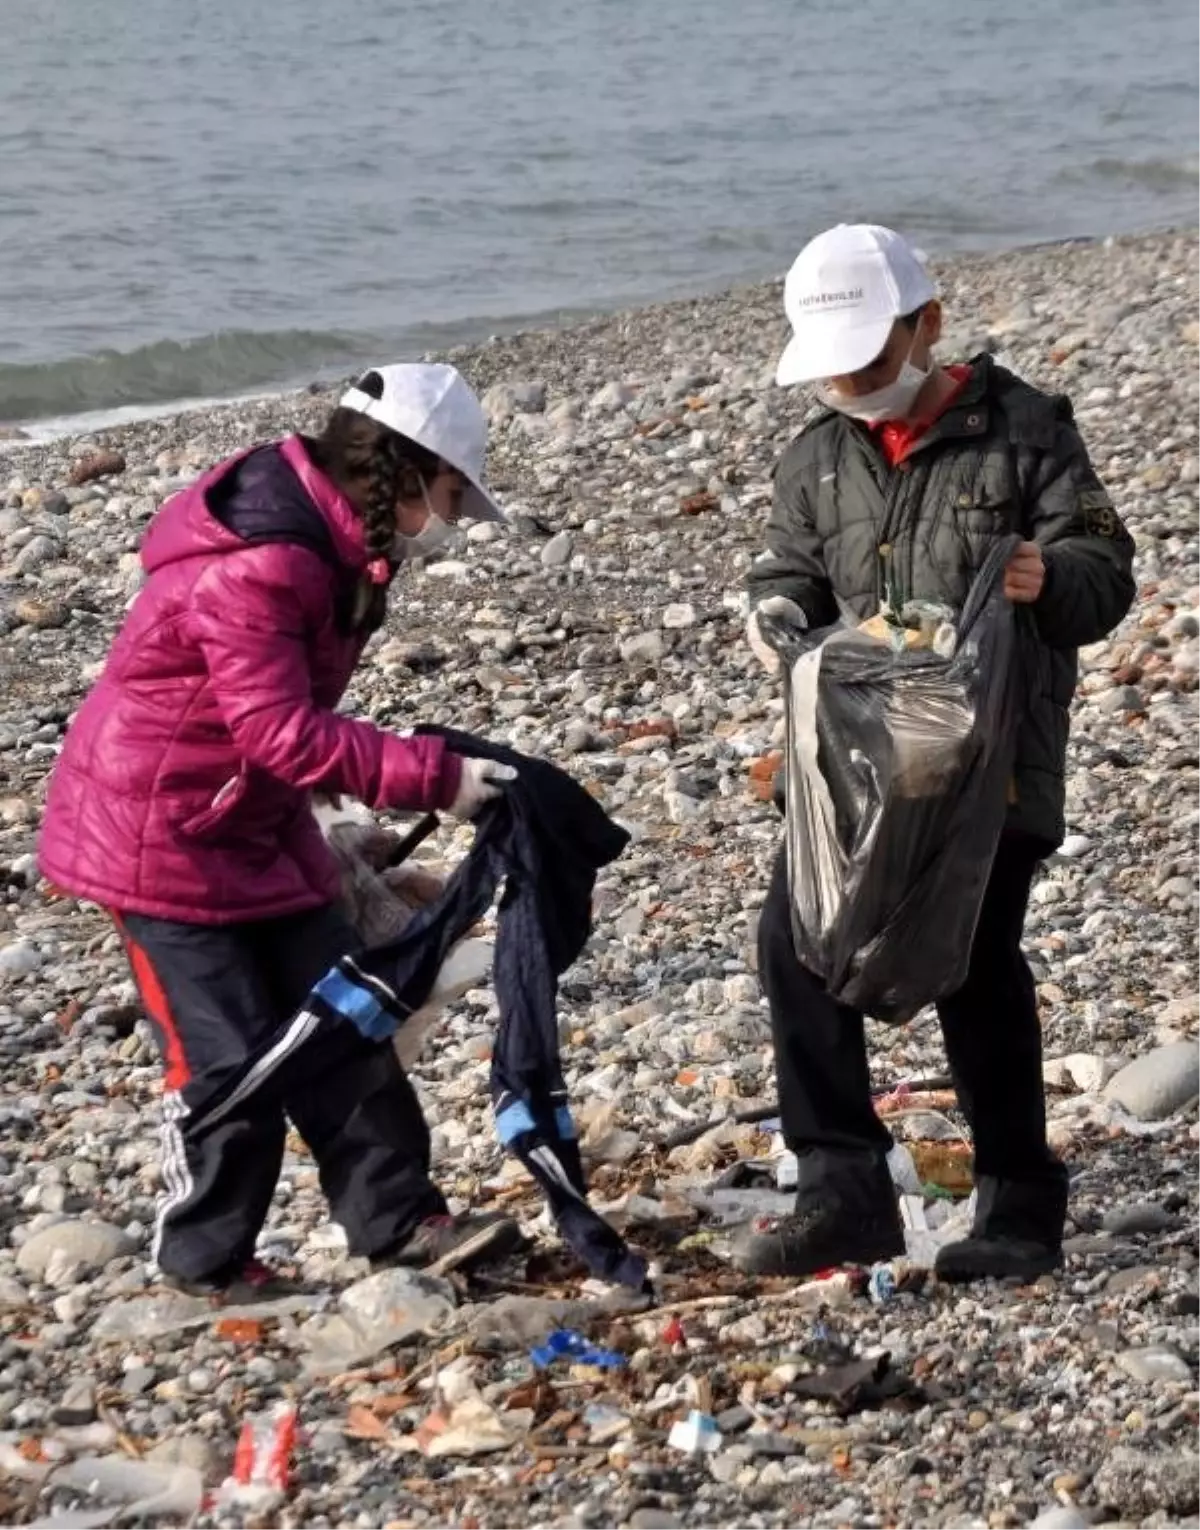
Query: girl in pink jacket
{"type": "Point", "coordinates": [182, 803]}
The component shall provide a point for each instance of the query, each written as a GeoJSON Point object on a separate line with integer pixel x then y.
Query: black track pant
{"type": "Point", "coordinates": [990, 1027]}
{"type": "Point", "coordinates": [215, 996]}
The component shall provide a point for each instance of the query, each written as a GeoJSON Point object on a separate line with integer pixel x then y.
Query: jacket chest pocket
{"type": "Point", "coordinates": [983, 503]}
{"type": "Point", "coordinates": [968, 505]}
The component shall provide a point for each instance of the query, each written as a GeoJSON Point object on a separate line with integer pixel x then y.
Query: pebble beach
{"type": "Point", "coordinates": [603, 628]}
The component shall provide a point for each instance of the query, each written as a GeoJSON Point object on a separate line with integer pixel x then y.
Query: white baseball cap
{"type": "Point", "coordinates": [434, 405]}
{"type": "Point", "coordinates": [846, 289]}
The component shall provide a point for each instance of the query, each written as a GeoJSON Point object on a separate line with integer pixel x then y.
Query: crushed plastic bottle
{"type": "Point", "coordinates": [160, 1314]}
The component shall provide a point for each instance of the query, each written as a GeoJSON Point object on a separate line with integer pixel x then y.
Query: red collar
{"type": "Point", "coordinates": [897, 438]}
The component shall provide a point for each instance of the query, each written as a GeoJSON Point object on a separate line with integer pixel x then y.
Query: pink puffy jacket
{"type": "Point", "coordinates": [182, 790]}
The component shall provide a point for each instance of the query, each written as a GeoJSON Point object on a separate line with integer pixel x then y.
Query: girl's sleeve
{"type": "Point", "coordinates": [252, 618]}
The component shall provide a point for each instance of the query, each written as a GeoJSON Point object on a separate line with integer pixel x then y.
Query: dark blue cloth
{"type": "Point", "coordinates": [544, 839]}
{"type": "Point", "coordinates": [262, 500]}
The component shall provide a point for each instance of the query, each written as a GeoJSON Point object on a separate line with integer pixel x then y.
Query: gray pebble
{"type": "Point", "coordinates": [1158, 1084]}
{"type": "Point", "coordinates": [1137, 1217]}
{"type": "Point", "coordinates": [78, 1405]}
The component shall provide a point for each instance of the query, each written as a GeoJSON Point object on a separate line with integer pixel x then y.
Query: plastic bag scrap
{"type": "Point", "coordinates": [898, 761]}
{"type": "Point", "coordinates": [126, 1490]}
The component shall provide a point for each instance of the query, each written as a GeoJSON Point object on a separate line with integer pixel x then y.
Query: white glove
{"type": "Point", "coordinates": [482, 781]}
{"type": "Point", "coordinates": [778, 606]}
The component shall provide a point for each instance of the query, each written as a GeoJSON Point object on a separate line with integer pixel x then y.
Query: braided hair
{"type": "Point", "coordinates": [382, 466]}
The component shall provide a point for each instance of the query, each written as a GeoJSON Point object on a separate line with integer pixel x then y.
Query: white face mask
{"type": "Point", "coordinates": [892, 402]}
{"type": "Point", "coordinates": [432, 536]}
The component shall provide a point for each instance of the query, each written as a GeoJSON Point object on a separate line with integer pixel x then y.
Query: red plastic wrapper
{"type": "Point", "coordinates": [265, 1447]}
{"type": "Point", "coordinates": [673, 1333]}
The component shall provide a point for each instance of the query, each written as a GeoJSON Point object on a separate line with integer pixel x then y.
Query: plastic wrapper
{"type": "Point", "coordinates": [898, 762]}
{"type": "Point", "coordinates": [379, 899]}
{"type": "Point", "coordinates": [262, 1461]}
{"type": "Point", "coordinates": [698, 1434]}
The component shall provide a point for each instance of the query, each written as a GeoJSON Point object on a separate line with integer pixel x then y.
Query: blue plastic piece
{"type": "Point", "coordinates": [567, 1344]}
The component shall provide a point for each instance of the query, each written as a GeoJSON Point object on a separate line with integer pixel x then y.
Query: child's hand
{"type": "Point", "coordinates": [482, 782]}
{"type": "Point", "coordinates": [1025, 574]}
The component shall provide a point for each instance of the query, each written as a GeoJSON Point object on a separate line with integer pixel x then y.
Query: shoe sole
{"type": "Point", "coordinates": [234, 1295]}
{"type": "Point", "coordinates": [967, 1270]}
{"type": "Point", "coordinates": [856, 1254]}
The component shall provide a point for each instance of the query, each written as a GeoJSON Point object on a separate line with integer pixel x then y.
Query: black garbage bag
{"type": "Point", "coordinates": [897, 772]}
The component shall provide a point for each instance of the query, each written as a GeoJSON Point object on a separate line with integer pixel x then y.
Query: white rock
{"type": "Point", "coordinates": [647, 648]}
{"type": "Point", "coordinates": [19, 959]}
{"type": "Point", "coordinates": [614, 1146]}
{"type": "Point", "coordinates": [1064, 1517]}
{"type": "Point", "coordinates": [482, 533]}
{"type": "Point", "coordinates": [503, 400]}
{"type": "Point", "coordinates": [741, 989]}
{"type": "Point", "coordinates": [676, 617]}
{"type": "Point", "coordinates": [84, 1246]}
{"type": "Point", "coordinates": [1086, 1072]}
{"type": "Point", "coordinates": [612, 397]}
{"type": "Point", "coordinates": [153, 1491]}
{"type": "Point", "coordinates": [681, 808]}
{"type": "Point", "coordinates": [1154, 1365]}
{"type": "Point", "coordinates": [13, 1294]}
{"type": "Point", "coordinates": [1181, 1011]}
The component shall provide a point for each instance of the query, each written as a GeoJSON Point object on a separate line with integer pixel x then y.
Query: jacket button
{"type": "Point", "coordinates": [972, 420]}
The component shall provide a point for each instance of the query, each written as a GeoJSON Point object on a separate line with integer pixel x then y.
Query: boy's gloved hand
{"type": "Point", "coordinates": [482, 781]}
{"type": "Point", "coordinates": [783, 609]}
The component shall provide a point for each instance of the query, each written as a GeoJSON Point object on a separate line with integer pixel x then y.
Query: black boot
{"type": "Point", "coordinates": [845, 1214]}
{"type": "Point", "coordinates": [1017, 1232]}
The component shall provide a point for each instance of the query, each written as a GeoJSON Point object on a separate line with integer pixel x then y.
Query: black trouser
{"type": "Point", "coordinates": [216, 995]}
{"type": "Point", "coordinates": [990, 1027]}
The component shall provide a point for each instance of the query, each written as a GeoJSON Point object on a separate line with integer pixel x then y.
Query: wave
{"type": "Point", "coordinates": [210, 366]}
{"type": "Point", "coordinates": [1161, 174]}
{"type": "Point", "coordinates": [234, 364]}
